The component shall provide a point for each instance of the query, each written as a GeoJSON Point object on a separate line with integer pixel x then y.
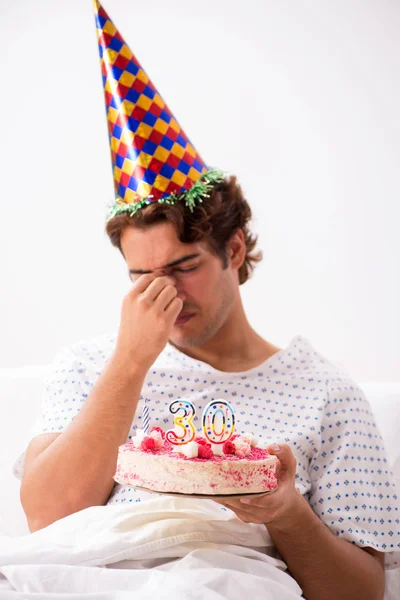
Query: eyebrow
{"type": "Point", "coordinates": [171, 264]}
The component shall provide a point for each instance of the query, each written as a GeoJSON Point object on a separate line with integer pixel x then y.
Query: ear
{"type": "Point", "coordinates": [236, 249]}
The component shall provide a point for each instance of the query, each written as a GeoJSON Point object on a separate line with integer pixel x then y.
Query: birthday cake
{"type": "Point", "coordinates": [174, 462]}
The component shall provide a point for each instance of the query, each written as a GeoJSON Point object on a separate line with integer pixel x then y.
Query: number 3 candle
{"type": "Point", "coordinates": [184, 429]}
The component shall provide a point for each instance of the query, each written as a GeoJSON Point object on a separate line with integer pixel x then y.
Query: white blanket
{"type": "Point", "coordinates": [171, 547]}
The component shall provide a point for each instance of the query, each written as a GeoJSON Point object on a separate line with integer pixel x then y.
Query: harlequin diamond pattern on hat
{"type": "Point", "coordinates": [152, 157]}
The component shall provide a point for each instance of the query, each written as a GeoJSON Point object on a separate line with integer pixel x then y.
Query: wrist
{"type": "Point", "coordinates": [292, 514]}
{"type": "Point", "coordinates": [127, 367]}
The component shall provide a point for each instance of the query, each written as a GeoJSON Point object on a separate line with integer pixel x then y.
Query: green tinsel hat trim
{"type": "Point", "coordinates": [199, 191]}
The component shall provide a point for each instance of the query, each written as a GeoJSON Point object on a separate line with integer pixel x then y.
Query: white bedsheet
{"type": "Point", "coordinates": [167, 546]}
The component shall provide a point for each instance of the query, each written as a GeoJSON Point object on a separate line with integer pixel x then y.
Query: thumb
{"type": "Point", "coordinates": [287, 460]}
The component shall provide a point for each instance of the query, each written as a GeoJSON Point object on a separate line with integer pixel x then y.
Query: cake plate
{"type": "Point", "coordinates": [204, 496]}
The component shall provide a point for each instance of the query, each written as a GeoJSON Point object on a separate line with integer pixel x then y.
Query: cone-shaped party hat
{"type": "Point", "coordinates": [152, 158]}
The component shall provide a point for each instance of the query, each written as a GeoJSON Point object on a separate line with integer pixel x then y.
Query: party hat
{"type": "Point", "coordinates": [152, 158]}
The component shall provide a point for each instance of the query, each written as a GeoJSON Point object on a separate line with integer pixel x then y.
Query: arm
{"type": "Point", "coordinates": [325, 566]}
{"type": "Point", "coordinates": [76, 470]}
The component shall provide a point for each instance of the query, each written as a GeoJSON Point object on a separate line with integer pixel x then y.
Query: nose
{"type": "Point", "coordinates": [179, 287]}
{"type": "Point", "coordinates": [181, 294]}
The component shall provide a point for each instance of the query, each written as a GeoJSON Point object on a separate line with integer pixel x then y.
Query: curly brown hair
{"type": "Point", "coordinates": [213, 221]}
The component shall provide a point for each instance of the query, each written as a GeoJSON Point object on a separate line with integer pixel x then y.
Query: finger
{"type": "Point", "coordinates": [287, 460]}
{"type": "Point", "coordinates": [254, 516]}
{"type": "Point", "coordinates": [174, 308]}
{"type": "Point", "coordinates": [156, 286]}
{"type": "Point", "coordinates": [164, 298]}
{"type": "Point", "coordinates": [233, 504]}
{"type": "Point", "coordinates": [142, 283]}
{"type": "Point", "coordinates": [222, 503]}
{"type": "Point", "coordinates": [256, 501]}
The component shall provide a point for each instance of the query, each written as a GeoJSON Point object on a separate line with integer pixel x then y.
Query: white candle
{"type": "Point", "coordinates": [146, 417]}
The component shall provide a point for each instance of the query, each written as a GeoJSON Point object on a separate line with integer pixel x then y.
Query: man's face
{"type": "Point", "coordinates": [207, 290]}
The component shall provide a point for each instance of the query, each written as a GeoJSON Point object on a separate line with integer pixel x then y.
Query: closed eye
{"type": "Point", "coordinates": [186, 270]}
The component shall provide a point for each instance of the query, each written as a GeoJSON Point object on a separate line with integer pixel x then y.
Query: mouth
{"type": "Point", "coordinates": [183, 318]}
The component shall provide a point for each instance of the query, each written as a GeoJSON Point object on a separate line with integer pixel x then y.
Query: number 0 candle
{"type": "Point", "coordinates": [218, 423]}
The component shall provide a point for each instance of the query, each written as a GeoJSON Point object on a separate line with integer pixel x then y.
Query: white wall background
{"type": "Point", "coordinates": [299, 98]}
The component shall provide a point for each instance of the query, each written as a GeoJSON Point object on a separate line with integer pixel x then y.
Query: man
{"type": "Point", "coordinates": [184, 333]}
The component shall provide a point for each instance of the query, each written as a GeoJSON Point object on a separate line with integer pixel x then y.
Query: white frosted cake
{"type": "Point", "coordinates": [152, 462]}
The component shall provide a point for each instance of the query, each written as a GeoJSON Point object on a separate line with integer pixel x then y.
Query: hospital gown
{"type": "Point", "coordinates": [296, 396]}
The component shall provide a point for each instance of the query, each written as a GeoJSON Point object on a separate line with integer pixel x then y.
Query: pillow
{"type": "Point", "coordinates": [384, 399]}
{"type": "Point", "coordinates": [20, 400]}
